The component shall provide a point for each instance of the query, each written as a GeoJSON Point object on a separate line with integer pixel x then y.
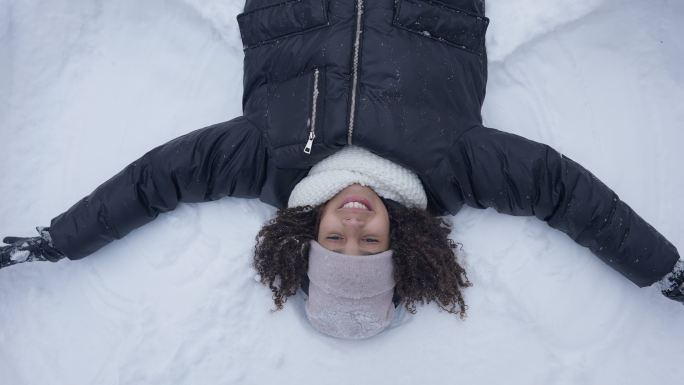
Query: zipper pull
{"type": "Point", "coordinates": [309, 143]}
{"type": "Point", "coordinates": [312, 121]}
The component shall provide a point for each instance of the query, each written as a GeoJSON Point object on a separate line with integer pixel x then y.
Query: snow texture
{"type": "Point", "coordinates": [19, 255]}
{"type": "Point", "coordinates": [87, 86]}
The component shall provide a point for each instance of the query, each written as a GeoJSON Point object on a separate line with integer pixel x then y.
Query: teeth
{"type": "Point", "coordinates": [355, 205]}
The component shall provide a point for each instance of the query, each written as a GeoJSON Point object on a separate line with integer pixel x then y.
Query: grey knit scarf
{"type": "Point", "coordinates": [350, 296]}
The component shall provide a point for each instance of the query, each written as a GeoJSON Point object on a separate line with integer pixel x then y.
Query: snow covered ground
{"type": "Point", "coordinates": [86, 86]}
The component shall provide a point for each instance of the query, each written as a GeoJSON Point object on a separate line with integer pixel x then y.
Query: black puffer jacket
{"type": "Point", "coordinates": [403, 78]}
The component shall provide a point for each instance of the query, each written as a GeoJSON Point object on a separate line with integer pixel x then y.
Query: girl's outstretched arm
{"type": "Point", "coordinates": [226, 159]}
{"type": "Point", "coordinates": [514, 175]}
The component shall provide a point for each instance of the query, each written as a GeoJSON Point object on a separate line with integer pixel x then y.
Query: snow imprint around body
{"type": "Point", "coordinates": [514, 23]}
{"type": "Point", "coordinates": [87, 87]}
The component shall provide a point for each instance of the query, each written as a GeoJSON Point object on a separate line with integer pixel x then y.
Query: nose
{"type": "Point", "coordinates": [353, 222]}
{"type": "Point", "coordinates": [354, 218]}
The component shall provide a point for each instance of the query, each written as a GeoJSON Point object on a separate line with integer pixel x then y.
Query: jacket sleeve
{"type": "Point", "coordinates": [226, 159]}
{"type": "Point", "coordinates": [517, 176]}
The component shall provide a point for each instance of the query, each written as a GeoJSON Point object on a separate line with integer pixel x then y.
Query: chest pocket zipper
{"type": "Point", "coordinates": [312, 118]}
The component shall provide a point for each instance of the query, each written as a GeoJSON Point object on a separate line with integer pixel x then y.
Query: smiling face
{"type": "Point", "coordinates": [355, 222]}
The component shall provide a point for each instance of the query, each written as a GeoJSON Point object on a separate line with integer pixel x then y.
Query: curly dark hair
{"type": "Point", "coordinates": [425, 264]}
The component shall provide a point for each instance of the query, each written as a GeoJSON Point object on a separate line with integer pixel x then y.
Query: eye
{"type": "Point", "coordinates": [371, 240]}
{"type": "Point", "coordinates": [333, 237]}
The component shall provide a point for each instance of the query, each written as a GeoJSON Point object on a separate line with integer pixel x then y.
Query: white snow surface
{"type": "Point", "coordinates": [87, 86]}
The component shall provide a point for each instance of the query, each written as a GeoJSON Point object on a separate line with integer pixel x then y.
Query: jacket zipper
{"type": "Point", "coordinates": [355, 69]}
{"type": "Point", "coordinates": [312, 120]}
{"type": "Point", "coordinates": [355, 76]}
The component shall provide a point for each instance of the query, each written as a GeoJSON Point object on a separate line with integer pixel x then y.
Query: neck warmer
{"type": "Point", "coordinates": [354, 164]}
{"type": "Point", "coordinates": [349, 296]}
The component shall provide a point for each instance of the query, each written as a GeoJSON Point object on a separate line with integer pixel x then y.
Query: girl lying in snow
{"type": "Point", "coordinates": [362, 122]}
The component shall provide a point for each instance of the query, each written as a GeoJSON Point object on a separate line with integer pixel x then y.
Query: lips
{"type": "Point", "coordinates": [358, 199]}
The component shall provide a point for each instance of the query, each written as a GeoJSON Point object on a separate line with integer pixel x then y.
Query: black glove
{"type": "Point", "coordinates": [29, 249]}
{"type": "Point", "coordinates": [672, 285]}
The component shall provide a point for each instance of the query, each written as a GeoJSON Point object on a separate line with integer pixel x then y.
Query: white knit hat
{"type": "Point", "coordinates": [354, 164]}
